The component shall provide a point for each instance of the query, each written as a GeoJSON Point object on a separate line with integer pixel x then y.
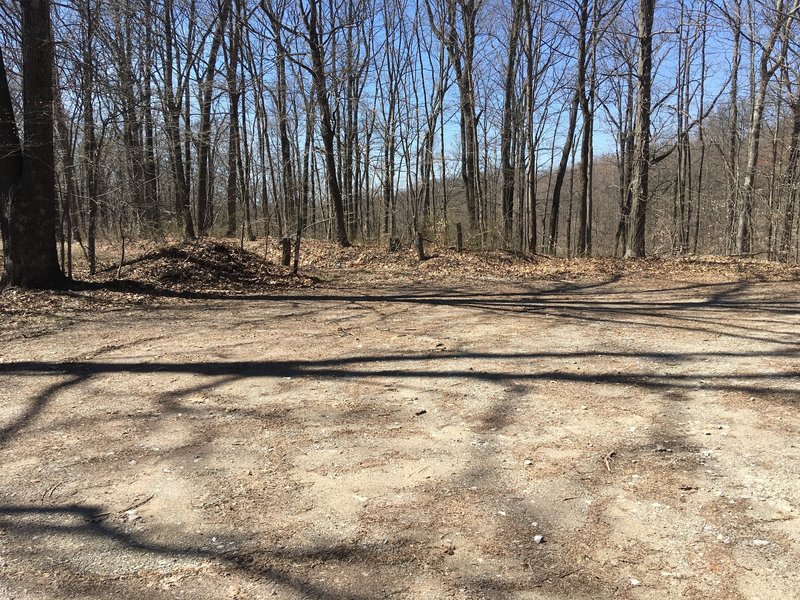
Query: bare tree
{"type": "Point", "coordinates": [27, 174]}
{"type": "Point", "coordinates": [635, 242]}
{"type": "Point", "coordinates": [314, 39]}
{"type": "Point", "coordinates": [173, 98]}
{"type": "Point", "coordinates": [508, 129]}
{"type": "Point", "coordinates": [204, 130]}
{"type": "Point", "coordinates": [454, 22]}
{"type": "Point", "coordinates": [768, 64]}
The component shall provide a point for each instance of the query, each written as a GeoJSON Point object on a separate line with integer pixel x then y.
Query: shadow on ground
{"type": "Point", "coordinates": [761, 325]}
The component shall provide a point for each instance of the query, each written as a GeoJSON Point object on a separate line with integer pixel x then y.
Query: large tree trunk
{"type": "Point", "coordinates": [635, 244]}
{"type": "Point", "coordinates": [11, 159]}
{"type": "Point", "coordinates": [27, 185]}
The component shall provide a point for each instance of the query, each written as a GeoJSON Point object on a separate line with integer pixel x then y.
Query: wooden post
{"type": "Point", "coordinates": [459, 238]}
{"type": "Point", "coordinates": [286, 251]}
{"type": "Point", "coordinates": [301, 222]}
{"type": "Point", "coordinates": [420, 244]}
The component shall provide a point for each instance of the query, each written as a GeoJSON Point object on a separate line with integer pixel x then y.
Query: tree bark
{"type": "Point", "coordinates": [555, 202]}
{"type": "Point", "coordinates": [635, 243]}
{"type": "Point", "coordinates": [27, 185]}
{"type": "Point", "coordinates": [507, 128]}
{"type": "Point", "coordinates": [234, 97]}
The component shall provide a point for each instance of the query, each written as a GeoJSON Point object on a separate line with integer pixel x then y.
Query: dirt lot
{"type": "Point", "coordinates": [358, 440]}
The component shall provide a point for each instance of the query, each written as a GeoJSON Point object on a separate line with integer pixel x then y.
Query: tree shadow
{"type": "Point", "coordinates": [720, 312]}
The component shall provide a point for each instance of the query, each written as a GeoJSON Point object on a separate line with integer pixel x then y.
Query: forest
{"type": "Point", "coordinates": [400, 299]}
{"type": "Point", "coordinates": [571, 128]}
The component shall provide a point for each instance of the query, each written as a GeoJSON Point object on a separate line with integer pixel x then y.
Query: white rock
{"type": "Point", "coordinates": [760, 543]}
{"type": "Point", "coordinates": [538, 539]}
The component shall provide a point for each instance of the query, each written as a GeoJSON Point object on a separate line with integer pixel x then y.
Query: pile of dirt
{"type": "Point", "coordinates": [178, 272]}
{"type": "Point", "coordinates": [208, 266]}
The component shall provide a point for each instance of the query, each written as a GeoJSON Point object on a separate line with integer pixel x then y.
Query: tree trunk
{"type": "Point", "coordinates": [204, 133]}
{"type": "Point", "coordinates": [152, 215]}
{"type": "Point", "coordinates": [89, 138]}
{"type": "Point", "coordinates": [507, 128]}
{"type": "Point", "coordinates": [792, 179]}
{"type": "Point", "coordinates": [767, 67]}
{"type": "Point", "coordinates": [233, 124]}
{"type": "Point", "coordinates": [27, 185]}
{"type": "Point", "coordinates": [287, 181]}
{"type": "Point", "coordinates": [328, 135]}
{"type": "Point", "coordinates": [172, 114]}
{"type": "Point", "coordinates": [555, 203]}
{"type": "Point", "coordinates": [635, 246]}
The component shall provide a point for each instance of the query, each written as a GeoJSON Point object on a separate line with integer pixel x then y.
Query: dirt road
{"type": "Point", "coordinates": [555, 440]}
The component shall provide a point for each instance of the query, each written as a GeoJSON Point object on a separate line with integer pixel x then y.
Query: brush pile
{"type": "Point", "coordinates": [209, 266]}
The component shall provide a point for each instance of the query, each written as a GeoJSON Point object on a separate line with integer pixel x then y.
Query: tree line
{"type": "Point", "coordinates": [574, 127]}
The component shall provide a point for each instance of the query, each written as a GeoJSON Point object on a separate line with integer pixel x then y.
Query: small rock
{"type": "Point", "coordinates": [538, 539]}
{"type": "Point", "coordinates": [132, 515]}
{"type": "Point", "coordinates": [635, 582]}
{"type": "Point", "coordinates": [528, 462]}
{"type": "Point", "coordinates": [760, 543]}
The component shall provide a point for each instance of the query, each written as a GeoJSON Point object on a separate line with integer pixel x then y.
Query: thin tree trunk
{"type": "Point", "coordinates": [326, 123]}
{"type": "Point", "coordinates": [555, 201]}
{"type": "Point", "coordinates": [234, 149]}
{"type": "Point", "coordinates": [767, 67]}
{"type": "Point", "coordinates": [89, 136]}
{"type": "Point", "coordinates": [507, 128]}
{"type": "Point", "coordinates": [204, 133]}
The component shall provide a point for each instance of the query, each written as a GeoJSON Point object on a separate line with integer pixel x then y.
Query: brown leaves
{"type": "Point", "coordinates": [374, 263]}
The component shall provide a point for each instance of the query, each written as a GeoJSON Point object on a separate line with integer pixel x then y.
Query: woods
{"type": "Point", "coordinates": [581, 128]}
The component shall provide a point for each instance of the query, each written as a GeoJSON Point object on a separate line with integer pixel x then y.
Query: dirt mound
{"type": "Point", "coordinates": [208, 266]}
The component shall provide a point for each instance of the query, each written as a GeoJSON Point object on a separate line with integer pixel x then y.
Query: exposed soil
{"type": "Point", "coordinates": [400, 431]}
